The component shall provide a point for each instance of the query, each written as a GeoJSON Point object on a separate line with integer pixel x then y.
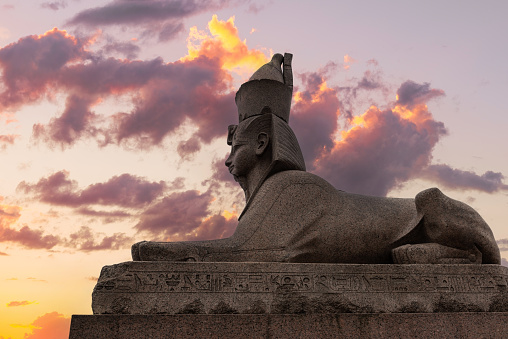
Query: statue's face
{"type": "Point", "coordinates": [242, 158]}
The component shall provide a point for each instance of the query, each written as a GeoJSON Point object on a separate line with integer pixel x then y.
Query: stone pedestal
{"type": "Point", "coordinates": [281, 288]}
{"type": "Point", "coordinates": [385, 325]}
{"type": "Point", "coordinates": [280, 300]}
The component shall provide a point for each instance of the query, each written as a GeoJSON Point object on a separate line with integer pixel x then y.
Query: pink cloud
{"type": "Point", "coordinates": [30, 65]}
{"type": "Point", "coordinates": [86, 240]}
{"type": "Point", "coordinates": [28, 237]}
{"type": "Point", "coordinates": [177, 213]}
{"type": "Point", "coordinates": [52, 325]}
{"type": "Point", "coordinates": [165, 94]}
{"type": "Point", "coordinates": [385, 147]}
{"type": "Point", "coordinates": [6, 140]}
{"type": "Point", "coordinates": [124, 190]}
{"type": "Point", "coordinates": [464, 180]}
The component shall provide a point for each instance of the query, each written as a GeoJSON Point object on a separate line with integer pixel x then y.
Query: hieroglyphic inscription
{"type": "Point", "coordinates": [261, 282]}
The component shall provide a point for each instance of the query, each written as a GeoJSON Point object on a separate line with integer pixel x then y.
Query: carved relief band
{"type": "Point", "coordinates": [174, 285]}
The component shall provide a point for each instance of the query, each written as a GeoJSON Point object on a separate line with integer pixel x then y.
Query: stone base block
{"type": "Point", "coordinates": [416, 325]}
{"type": "Point", "coordinates": [282, 288]}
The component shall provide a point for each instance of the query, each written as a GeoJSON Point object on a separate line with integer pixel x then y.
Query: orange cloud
{"type": "Point", "coordinates": [348, 60]}
{"type": "Point", "coordinates": [50, 326]}
{"type": "Point", "coordinates": [20, 303]}
{"type": "Point", "coordinates": [9, 214]}
{"type": "Point", "coordinates": [223, 43]}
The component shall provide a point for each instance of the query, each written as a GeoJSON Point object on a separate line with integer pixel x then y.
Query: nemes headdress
{"type": "Point", "coordinates": [269, 91]}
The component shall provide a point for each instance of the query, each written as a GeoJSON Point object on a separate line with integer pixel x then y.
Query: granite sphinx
{"type": "Point", "coordinates": [296, 217]}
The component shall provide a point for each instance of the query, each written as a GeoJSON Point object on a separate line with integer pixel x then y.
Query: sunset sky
{"type": "Point", "coordinates": [114, 115]}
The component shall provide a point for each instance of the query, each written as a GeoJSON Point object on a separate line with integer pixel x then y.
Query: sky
{"type": "Point", "coordinates": [114, 115]}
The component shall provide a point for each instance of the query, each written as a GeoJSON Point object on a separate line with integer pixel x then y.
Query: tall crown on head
{"type": "Point", "coordinates": [269, 90]}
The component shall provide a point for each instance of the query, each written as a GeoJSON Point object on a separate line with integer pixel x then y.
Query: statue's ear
{"type": "Point", "coordinates": [262, 143]}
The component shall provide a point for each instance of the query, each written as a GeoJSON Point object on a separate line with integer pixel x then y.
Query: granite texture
{"type": "Point", "coordinates": [415, 325]}
{"type": "Point", "coordinates": [280, 288]}
{"type": "Point", "coordinates": [294, 216]}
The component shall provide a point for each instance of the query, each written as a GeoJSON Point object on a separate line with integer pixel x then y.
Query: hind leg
{"type": "Point", "coordinates": [455, 225]}
{"type": "Point", "coordinates": [432, 253]}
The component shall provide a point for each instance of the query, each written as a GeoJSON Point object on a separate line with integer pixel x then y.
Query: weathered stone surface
{"type": "Point", "coordinates": [415, 325]}
{"type": "Point", "coordinates": [280, 288]}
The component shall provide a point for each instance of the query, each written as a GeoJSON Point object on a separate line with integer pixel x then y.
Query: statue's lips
{"type": "Point", "coordinates": [230, 168]}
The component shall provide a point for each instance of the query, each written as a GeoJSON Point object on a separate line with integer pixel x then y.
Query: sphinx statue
{"type": "Point", "coordinates": [294, 216]}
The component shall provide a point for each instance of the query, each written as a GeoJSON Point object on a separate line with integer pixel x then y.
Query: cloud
{"type": "Point", "coordinates": [154, 17]}
{"type": "Point", "coordinates": [6, 140]}
{"type": "Point", "coordinates": [36, 280]}
{"type": "Point", "coordinates": [54, 5]}
{"type": "Point", "coordinates": [214, 227]}
{"type": "Point", "coordinates": [357, 92]}
{"type": "Point", "coordinates": [20, 303]}
{"type": "Point", "coordinates": [489, 182]}
{"type": "Point", "coordinates": [384, 147]}
{"type": "Point", "coordinates": [74, 122]}
{"type": "Point", "coordinates": [31, 66]}
{"type": "Point", "coordinates": [124, 190]}
{"type": "Point", "coordinates": [128, 49]}
{"type": "Point", "coordinates": [195, 89]}
{"type": "Point", "coordinates": [3, 253]}
{"type": "Point", "coordinates": [503, 244]}
{"type": "Point", "coordinates": [224, 44]}
{"type": "Point", "coordinates": [107, 214]}
{"type": "Point", "coordinates": [504, 262]}
{"type": "Point", "coordinates": [32, 238]}
{"type": "Point", "coordinates": [50, 325]}
{"type": "Point", "coordinates": [86, 240]}
{"type": "Point", "coordinates": [348, 61]}
{"type": "Point", "coordinates": [179, 212]}
{"type": "Point", "coordinates": [411, 94]}
{"type": "Point", "coordinates": [220, 174]}
{"type": "Point", "coordinates": [314, 115]}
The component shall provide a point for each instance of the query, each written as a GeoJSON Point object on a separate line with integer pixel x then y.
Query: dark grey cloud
{"type": "Point", "coordinates": [161, 17]}
{"type": "Point", "coordinates": [411, 93]}
{"type": "Point", "coordinates": [127, 49]}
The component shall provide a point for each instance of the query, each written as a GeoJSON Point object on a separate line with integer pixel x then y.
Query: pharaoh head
{"type": "Point", "coordinates": [263, 144]}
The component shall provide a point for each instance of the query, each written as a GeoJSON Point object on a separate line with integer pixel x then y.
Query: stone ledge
{"type": "Point", "coordinates": [415, 325]}
{"type": "Point", "coordinates": [281, 288]}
